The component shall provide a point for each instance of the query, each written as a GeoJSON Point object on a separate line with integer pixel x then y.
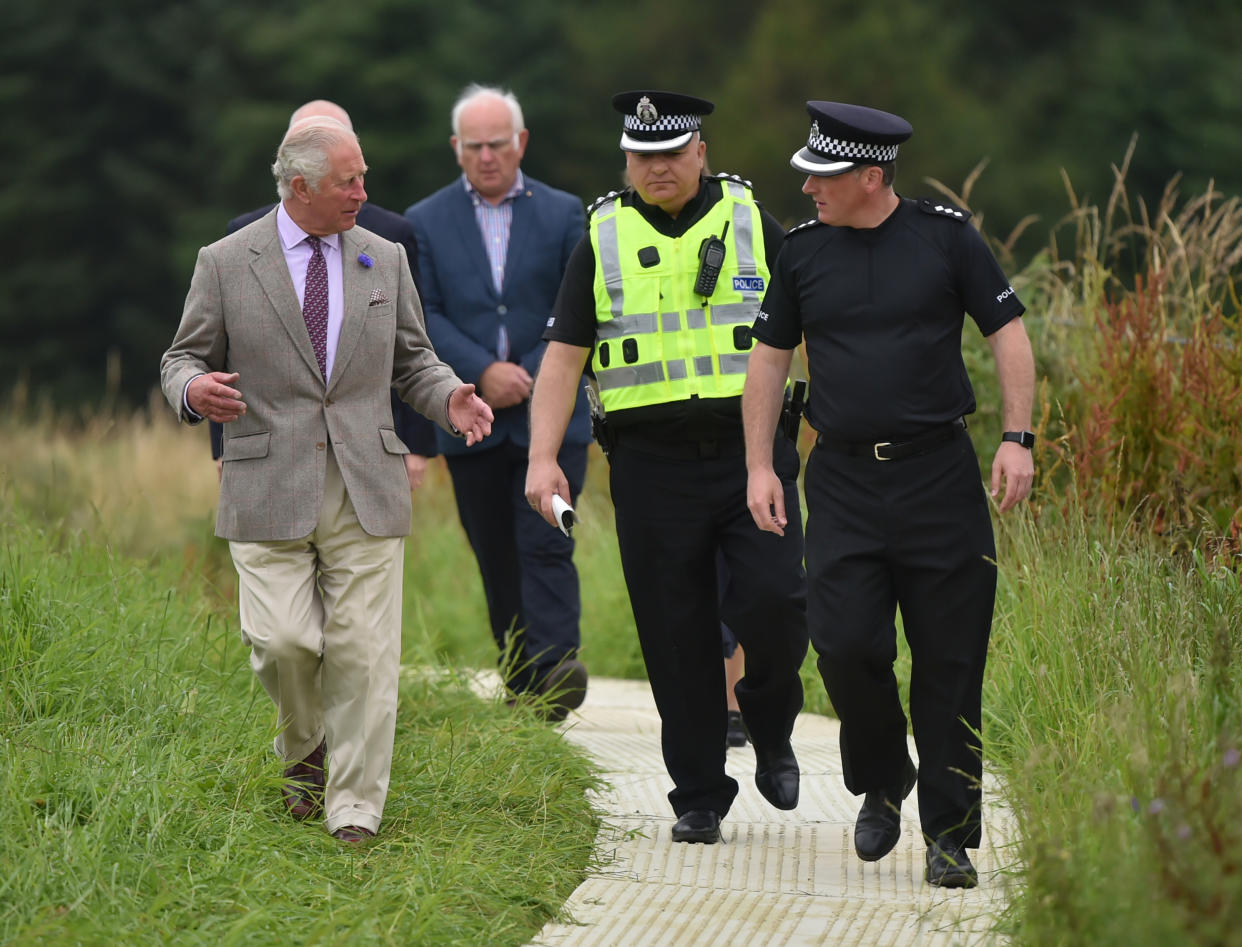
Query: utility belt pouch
{"type": "Point", "coordinates": [792, 408]}
{"type": "Point", "coordinates": [604, 436]}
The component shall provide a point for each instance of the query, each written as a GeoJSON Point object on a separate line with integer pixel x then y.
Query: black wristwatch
{"type": "Point", "coordinates": [1025, 438]}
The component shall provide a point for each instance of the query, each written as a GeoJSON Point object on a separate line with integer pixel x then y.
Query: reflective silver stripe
{"type": "Point", "coordinates": [629, 376]}
{"type": "Point", "coordinates": [670, 321]}
{"type": "Point", "coordinates": [677, 369]}
{"type": "Point", "coordinates": [702, 365]}
{"type": "Point", "coordinates": [734, 189]}
{"type": "Point", "coordinates": [744, 240]}
{"type": "Point", "coordinates": [730, 313]}
{"type": "Point", "coordinates": [640, 323]}
{"type": "Point", "coordinates": [610, 263]}
{"type": "Point", "coordinates": [696, 319]}
{"type": "Point", "coordinates": [734, 363]}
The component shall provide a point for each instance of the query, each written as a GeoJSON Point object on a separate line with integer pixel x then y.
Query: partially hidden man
{"type": "Point", "coordinates": [493, 245]}
{"type": "Point", "coordinates": [879, 285]}
{"type": "Point", "coordinates": [315, 320]}
{"type": "Point", "coordinates": [660, 296]}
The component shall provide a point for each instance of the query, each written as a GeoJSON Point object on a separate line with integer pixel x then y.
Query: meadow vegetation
{"type": "Point", "coordinates": [141, 806]}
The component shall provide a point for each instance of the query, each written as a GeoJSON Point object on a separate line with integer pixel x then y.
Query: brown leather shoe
{"type": "Point", "coordinates": [303, 791]}
{"type": "Point", "coordinates": [353, 834]}
{"type": "Point", "coordinates": [563, 689]}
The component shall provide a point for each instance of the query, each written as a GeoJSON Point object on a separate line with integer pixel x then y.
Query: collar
{"type": "Point", "coordinates": [291, 234]}
{"type": "Point", "coordinates": [519, 185]}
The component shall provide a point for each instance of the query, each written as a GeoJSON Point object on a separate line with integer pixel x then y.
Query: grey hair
{"type": "Point", "coordinates": [476, 91]}
{"type": "Point", "coordinates": [304, 153]}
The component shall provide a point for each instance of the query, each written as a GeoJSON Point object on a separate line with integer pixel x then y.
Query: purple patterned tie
{"type": "Point", "coordinates": [315, 304]}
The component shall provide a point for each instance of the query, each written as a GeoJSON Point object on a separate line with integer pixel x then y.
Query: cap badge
{"type": "Point", "coordinates": [814, 129]}
{"type": "Point", "coordinates": [646, 112]}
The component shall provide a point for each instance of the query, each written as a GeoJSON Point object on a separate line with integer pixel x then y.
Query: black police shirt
{"type": "Point", "coordinates": [573, 322]}
{"type": "Point", "coordinates": [882, 311]}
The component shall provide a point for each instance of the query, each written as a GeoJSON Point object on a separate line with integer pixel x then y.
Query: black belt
{"type": "Point", "coordinates": [925, 443]}
{"type": "Point", "coordinates": [704, 449]}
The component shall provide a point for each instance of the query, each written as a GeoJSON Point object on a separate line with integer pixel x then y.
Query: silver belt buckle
{"type": "Point", "coordinates": [875, 449]}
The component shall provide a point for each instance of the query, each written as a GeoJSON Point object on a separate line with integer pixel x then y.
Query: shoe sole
{"type": "Point", "coordinates": [954, 879]}
{"type": "Point", "coordinates": [702, 838]}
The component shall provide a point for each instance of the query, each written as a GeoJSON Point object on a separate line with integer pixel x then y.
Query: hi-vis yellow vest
{"type": "Point", "coordinates": [656, 341]}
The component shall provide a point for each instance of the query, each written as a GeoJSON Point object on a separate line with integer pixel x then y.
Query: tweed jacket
{"type": "Point", "coordinates": [242, 315]}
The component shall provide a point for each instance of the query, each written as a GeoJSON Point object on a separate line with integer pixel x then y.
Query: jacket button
{"type": "Point", "coordinates": [327, 402]}
{"type": "Point", "coordinates": [502, 309]}
{"type": "Point", "coordinates": [320, 446]}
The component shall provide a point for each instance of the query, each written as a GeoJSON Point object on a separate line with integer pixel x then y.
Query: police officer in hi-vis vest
{"type": "Point", "coordinates": [660, 295]}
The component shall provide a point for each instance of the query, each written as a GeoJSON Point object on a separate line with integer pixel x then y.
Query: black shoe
{"type": "Point", "coordinates": [736, 734]}
{"type": "Point", "coordinates": [948, 866]}
{"type": "Point", "coordinates": [879, 821]}
{"type": "Point", "coordinates": [563, 690]}
{"type": "Point", "coordinates": [698, 825]}
{"type": "Point", "coordinates": [776, 776]}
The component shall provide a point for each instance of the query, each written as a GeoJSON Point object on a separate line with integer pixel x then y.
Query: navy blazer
{"type": "Point", "coordinates": [464, 312]}
{"type": "Point", "coordinates": [415, 431]}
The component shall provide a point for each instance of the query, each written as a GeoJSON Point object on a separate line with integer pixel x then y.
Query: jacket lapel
{"type": "Point", "coordinates": [356, 294]}
{"type": "Point", "coordinates": [471, 240]}
{"type": "Point", "coordinates": [523, 214]}
{"type": "Point", "coordinates": [270, 269]}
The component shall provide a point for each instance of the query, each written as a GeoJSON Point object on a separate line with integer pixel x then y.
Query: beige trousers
{"type": "Point", "coordinates": [322, 616]}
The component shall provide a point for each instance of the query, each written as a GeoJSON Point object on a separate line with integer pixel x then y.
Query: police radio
{"type": "Point", "coordinates": [711, 259]}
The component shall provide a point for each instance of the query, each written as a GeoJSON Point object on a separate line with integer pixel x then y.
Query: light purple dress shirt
{"type": "Point", "coordinates": [297, 255]}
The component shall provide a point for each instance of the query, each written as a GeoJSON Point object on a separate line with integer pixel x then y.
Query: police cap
{"type": "Point", "coordinates": [659, 121]}
{"type": "Point", "coordinates": [845, 136]}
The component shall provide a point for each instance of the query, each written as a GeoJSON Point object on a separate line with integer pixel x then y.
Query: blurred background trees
{"type": "Point", "coordinates": [137, 129]}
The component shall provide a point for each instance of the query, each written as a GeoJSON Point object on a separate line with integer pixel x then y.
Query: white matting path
{"type": "Point", "coordinates": [777, 878]}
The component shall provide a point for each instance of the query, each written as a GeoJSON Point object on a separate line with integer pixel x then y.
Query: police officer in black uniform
{"type": "Point", "coordinates": [669, 352]}
{"type": "Point", "coordinates": [878, 285]}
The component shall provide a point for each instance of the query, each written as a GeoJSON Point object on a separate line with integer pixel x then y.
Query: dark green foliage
{"type": "Point", "coordinates": [138, 129]}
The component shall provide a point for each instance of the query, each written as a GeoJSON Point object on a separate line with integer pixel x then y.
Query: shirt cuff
{"type": "Point", "coordinates": [447, 417]}
{"type": "Point", "coordinates": [193, 415]}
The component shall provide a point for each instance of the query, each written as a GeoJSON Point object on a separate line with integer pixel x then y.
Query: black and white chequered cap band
{"type": "Point", "coordinates": [850, 150]}
{"type": "Point", "coordinates": [665, 123]}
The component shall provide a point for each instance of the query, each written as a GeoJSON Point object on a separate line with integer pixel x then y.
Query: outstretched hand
{"type": "Point", "coordinates": [212, 396]}
{"type": "Point", "coordinates": [470, 414]}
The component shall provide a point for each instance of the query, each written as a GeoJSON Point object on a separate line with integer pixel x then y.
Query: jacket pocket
{"type": "Point", "coordinates": [248, 446]}
{"type": "Point", "coordinates": [392, 443]}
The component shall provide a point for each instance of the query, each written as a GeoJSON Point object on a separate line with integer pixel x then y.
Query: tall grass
{"type": "Point", "coordinates": [1114, 717]}
{"type": "Point", "coordinates": [141, 804]}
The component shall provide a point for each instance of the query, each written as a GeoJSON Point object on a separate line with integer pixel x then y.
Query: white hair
{"type": "Point", "coordinates": [304, 153]}
{"type": "Point", "coordinates": [475, 91]}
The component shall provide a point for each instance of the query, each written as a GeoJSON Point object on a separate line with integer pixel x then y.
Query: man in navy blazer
{"type": "Point", "coordinates": [492, 247]}
{"type": "Point", "coordinates": [415, 431]}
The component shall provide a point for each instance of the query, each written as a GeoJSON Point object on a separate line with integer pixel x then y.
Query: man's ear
{"type": "Point", "coordinates": [301, 190]}
{"type": "Point", "coordinates": [872, 177]}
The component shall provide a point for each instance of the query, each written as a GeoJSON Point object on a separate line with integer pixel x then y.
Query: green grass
{"type": "Point", "coordinates": [141, 806]}
{"type": "Point", "coordinates": [141, 802]}
{"type": "Point", "coordinates": [1113, 713]}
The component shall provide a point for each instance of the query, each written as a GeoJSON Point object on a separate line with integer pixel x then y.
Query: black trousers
{"type": "Point", "coordinates": [913, 533]}
{"type": "Point", "coordinates": [527, 566]}
{"type": "Point", "coordinates": [673, 516]}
